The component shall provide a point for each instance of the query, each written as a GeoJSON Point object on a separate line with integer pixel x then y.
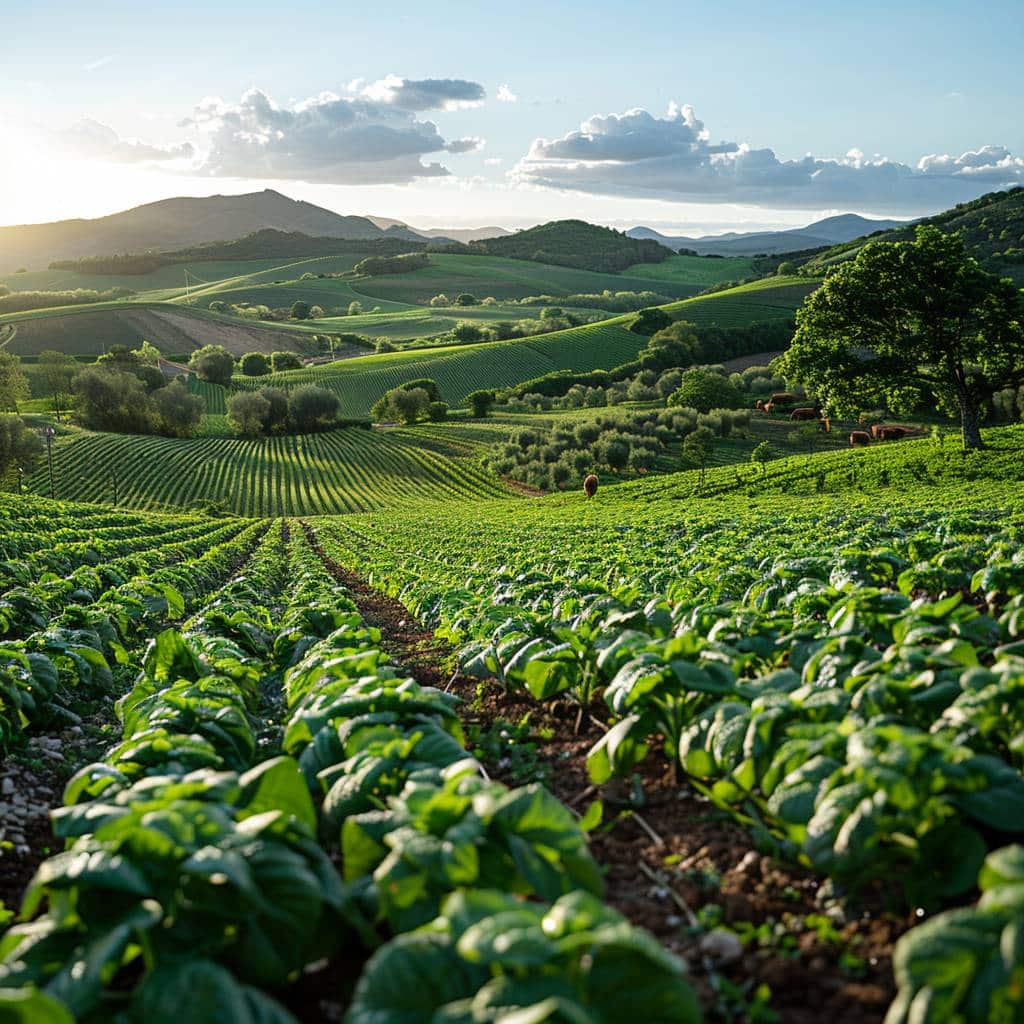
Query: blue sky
{"type": "Point", "coordinates": [93, 100]}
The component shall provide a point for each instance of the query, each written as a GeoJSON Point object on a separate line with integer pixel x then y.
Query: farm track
{"type": "Point", "coordinates": [713, 860]}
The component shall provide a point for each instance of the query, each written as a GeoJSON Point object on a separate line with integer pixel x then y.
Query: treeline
{"type": "Point", "coordinates": [265, 244]}
{"type": "Point", "coordinates": [681, 344]}
{"type": "Point", "coordinates": [401, 264]}
{"type": "Point", "coordinates": [23, 302]}
{"type": "Point", "coordinates": [270, 410]}
{"type": "Point", "coordinates": [612, 302]}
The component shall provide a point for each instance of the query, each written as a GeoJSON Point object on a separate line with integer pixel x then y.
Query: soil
{"type": "Point", "coordinates": [676, 857]}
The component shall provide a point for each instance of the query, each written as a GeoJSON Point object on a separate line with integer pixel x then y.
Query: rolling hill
{"type": "Point", "coordinates": [174, 224]}
{"type": "Point", "coordinates": [575, 243]}
{"type": "Point", "coordinates": [830, 231]}
{"type": "Point", "coordinates": [991, 226]}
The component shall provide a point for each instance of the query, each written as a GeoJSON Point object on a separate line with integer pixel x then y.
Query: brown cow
{"type": "Point", "coordinates": [769, 408]}
{"type": "Point", "coordinates": [759, 405]}
{"type": "Point", "coordinates": [859, 437]}
{"type": "Point", "coordinates": [825, 425]}
{"type": "Point", "coordinates": [784, 398]}
{"type": "Point", "coordinates": [806, 413]}
{"type": "Point", "coordinates": [590, 485]}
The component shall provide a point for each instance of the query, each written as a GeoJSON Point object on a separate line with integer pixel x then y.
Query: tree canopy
{"type": "Point", "coordinates": [705, 390]}
{"type": "Point", "coordinates": [213, 363]}
{"type": "Point", "coordinates": [908, 320]}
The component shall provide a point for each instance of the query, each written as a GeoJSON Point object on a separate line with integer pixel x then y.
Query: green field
{"type": "Point", "coordinates": [508, 279]}
{"type": "Point", "coordinates": [694, 270]}
{"type": "Point", "coordinates": [460, 369]}
{"type": "Point", "coordinates": [342, 471]}
{"type": "Point", "coordinates": [772, 298]}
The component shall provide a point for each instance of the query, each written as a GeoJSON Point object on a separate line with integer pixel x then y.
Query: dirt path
{"type": "Point", "coordinates": [674, 863]}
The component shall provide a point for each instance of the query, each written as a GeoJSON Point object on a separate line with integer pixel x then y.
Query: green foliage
{"type": "Point", "coordinates": [705, 390]}
{"type": "Point", "coordinates": [300, 310]}
{"type": "Point", "coordinates": [13, 383]}
{"type": "Point", "coordinates": [213, 363]}
{"type": "Point", "coordinates": [574, 243]}
{"type": "Point", "coordinates": [481, 402]}
{"type": "Point", "coordinates": [20, 448]}
{"type": "Point", "coordinates": [281, 361]}
{"type": "Point", "coordinates": [401, 264]}
{"type": "Point", "coordinates": [248, 412]}
{"type": "Point", "coordinates": [178, 412]}
{"type": "Point", "coordinates": [312, 408]}
{"type": "Point", "coordinates": [254, 364]}
{"type": "Point", "coordinates": [905, 320]}
{"type": "Point", "coordinates": [23, 301]}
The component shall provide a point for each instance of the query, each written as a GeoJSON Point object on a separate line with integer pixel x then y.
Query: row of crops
{"type": "Point", "coordinates": [349, 470]}
{"type": "Point", "coordinates": [283, 796]}
{"type": "Point", "coordinates": [846, 683]}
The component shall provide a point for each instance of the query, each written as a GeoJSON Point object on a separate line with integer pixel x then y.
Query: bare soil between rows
{"type": "Point", "coordinates": [675, 858]}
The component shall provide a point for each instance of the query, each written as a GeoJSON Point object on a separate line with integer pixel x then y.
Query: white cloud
{"type": "Point", "coordinates": [95, 65]}
{"type": "Point", "coordinates": [327, 138]}
{"type": "Point", "coordinates": [673, 158]}
{"type": "Point", "coordinates": [425, 93]}
{"type": "Point", "coordinates": [494, 161]}
{"type": "Point", "coordinates": [95, 141]}
{"type": "Point", "coordinates": [506, 95]}
{"type": "Point", "coordinates": [470, 144]}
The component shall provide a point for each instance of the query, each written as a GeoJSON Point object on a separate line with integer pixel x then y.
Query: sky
{"type": "Point", "coordinates": [692, 117]}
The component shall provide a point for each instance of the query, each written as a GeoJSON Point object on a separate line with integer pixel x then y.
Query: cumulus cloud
{"type": "Point", "coordinates": [357, 140]}
{"type": "Point", "coordinates": [424, 93]}
{"type": "Point", "coordinates": [95, 141]}
{"type": "Point", "coordinates": [506, 95]}
{"type": "Point", "coordinates": [673, 158]}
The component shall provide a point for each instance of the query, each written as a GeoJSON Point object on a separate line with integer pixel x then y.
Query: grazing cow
{"type": "Point", "coordinates": [784, 398]}
{"type": "Point", "coordinates": [859, 437]}
{"type": "Point", "coordinates": [590, 485]}
{"type": "Point", "coordinates": [806, 413]}
{"type": "Point", "coordinates": [825, 425]}
{"type": "Point", "coordinates": [768, 408]}
{"type": "Point", "coordinates": [759, 405]}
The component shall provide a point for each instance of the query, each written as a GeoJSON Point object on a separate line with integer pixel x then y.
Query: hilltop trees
{"type": "Point", "coordinates": [213, 363]}
{"type": "Point", "coordinates": [907, 319]}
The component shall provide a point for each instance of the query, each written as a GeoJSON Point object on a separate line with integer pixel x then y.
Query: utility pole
{"type": "Point", "coordinates": [48, 433]}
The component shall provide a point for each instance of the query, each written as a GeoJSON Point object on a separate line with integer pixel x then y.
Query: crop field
{"type": "Point", "coordinates": [772, 298]}
{"type": "Point", "coordinates": [90, 331]}
{"type": "Point", "coordinates": [694, 270]}
{"type": "Point", "coordinates": [508, 279]}
{"type": "Point", "coordinates": [341, 471]}
{"type": "Point", "coordinates": [460, 369]}
{"type": "Point", "coordinates": [807, 673]}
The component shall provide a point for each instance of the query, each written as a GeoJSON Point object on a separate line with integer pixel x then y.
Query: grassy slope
{"type": "Point", "coordinates": [338, 472]}
{"type": "Point", "coordinates": [694, 270]}
{"type": "Point", "coordinates": [508, 279]}
{"type": "Point", "coordinates": [460, 369]}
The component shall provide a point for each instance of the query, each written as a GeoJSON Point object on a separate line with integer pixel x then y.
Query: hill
{"type": "Point", "coordinates": [830, 231]}
{"type": "Point", "coordinates": [174, 224]}
{"type": "Point", "coordinates": [991, 226]}
{"type": "Point", "coordinates": [575, 243]}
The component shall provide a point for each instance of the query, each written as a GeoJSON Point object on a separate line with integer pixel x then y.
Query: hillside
{"type": "Point", "coordinates": [172, 224]}
{"type": "Point", "coordinates": [992, 227]}
{"type": "Point", "coordinates": [829, 231]}
{"type": "Point", "coordinates": [575, 243]}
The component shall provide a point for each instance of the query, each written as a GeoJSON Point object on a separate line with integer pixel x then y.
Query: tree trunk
{"type": "Point", "coordinates": [970, 425]}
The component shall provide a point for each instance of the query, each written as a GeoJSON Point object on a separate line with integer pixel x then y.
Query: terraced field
{"type": "Point", "coordinates": [343, 471]}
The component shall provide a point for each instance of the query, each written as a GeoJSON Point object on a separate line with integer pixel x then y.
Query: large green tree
{"type": "Point", "coordinates": [907, 319]}
{"type": "Point", "coordinates": [213, 363]}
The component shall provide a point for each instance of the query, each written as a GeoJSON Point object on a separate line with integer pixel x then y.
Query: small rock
{"type": "Point", "coordinates": [722, 946]}
{"type": "Point", "coordinates": [7, 787]}
{"type": "Point", "coordinates": [750, 862]}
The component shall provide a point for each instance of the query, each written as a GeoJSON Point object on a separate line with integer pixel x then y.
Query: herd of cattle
{"type": "Point", "coordinates": [787, 401]}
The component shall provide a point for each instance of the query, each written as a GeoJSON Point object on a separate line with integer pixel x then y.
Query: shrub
{"type": "Point", "coordinates": [248, 412]}
{"type": "Point", "coordinates": [254, 364]}
{"type": "Point", "coordinates": [280, 361]}
{"type": "Point", "coordinates": [705, 390]}
{"type": "Point", "coordinates": [312, 408]}
{"type": "Point", "coordinates": [437, 411]}
{"type": "Point", "coordinates": [213, 363]}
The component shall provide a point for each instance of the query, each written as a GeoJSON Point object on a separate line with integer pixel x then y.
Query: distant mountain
{"type": "Point", "coordinates": [464, 234]}
{"type": "Point", "coordinates": [444, 234]}
{"type": "Point", "coordinates": [172, 224]}
{"type": "Point", "coordinates": [830, 231]}
{"type": "Point", "coordinates": [574, 243]}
